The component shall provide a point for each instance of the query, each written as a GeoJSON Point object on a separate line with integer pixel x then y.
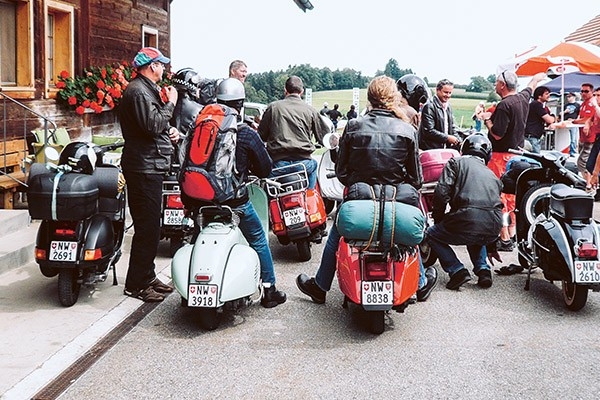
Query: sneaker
{"type": "Point", "coordinates": [485, 278]}
{"type": "Point", "coordinates": [424, 293]}
{"type": "Point", "coordinates": [160, 287]}
{"type": "Point", "coordinates": [458, 279]}
{"type": "Point", "coordinates": [309, 287]}
{"type": "Point", "coordinates": [505, 245]}
{"type": "Point", "coordinates": [272, 297]}
{"type": "Point", "coordinates": [149, 295]}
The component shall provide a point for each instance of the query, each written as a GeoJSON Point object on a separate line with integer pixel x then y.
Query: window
{"type": "Point", "coordinates": [16, 67]}
{"type": "Point", "coordinates": [59, 41]}
{"type": "Point", "coordinates": [149, 37]}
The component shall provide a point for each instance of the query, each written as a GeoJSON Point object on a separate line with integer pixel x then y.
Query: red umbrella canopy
{"type": "Point", "coordinates": [583, 56]}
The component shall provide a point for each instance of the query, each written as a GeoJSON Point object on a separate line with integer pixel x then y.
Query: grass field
{"type": "Point", "coordinates": [462, 107]}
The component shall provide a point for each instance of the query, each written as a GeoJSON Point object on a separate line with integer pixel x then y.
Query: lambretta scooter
{"type": "Point", "coordinates": [555, 227]}
{"type": "Point", "coordinates": [297, 213]}
{"type": "Point", "coordinates": [81, 202]}
{"type": "Point", "coordinates": [219, 271]}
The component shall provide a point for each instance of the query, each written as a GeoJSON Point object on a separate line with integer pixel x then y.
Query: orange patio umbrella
{"type": "Point", "coordinates": [562, 58]}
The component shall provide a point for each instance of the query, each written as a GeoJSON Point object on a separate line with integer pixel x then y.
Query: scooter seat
{"type": "Point", "coordinates": [571, 203]}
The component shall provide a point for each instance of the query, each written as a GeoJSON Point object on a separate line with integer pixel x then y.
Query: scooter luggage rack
{"type": "Point", "coordinates": [290, 182]}
{"type": "Point", "coordinates": [428, 188]}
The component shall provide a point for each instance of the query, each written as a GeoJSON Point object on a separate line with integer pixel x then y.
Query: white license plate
{"type": "Point", "coordinates": [173, 216]}
{"type": "Point", "coordinates": [294, 216]}
{"type": "Point", "coordinates": [587, 271]}
{"type": "Point", "coordinates": [202, 295]}
{"type": "Point", "coordinates": [63, 251]}
{"type": "Point", "coordinates": [377, 292]}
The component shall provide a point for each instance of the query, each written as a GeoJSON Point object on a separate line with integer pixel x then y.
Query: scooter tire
{"type": "Point", "coordinates": [47, 271]}
{"type": "Point", "coordinates": [535, 201]}
{"type": "Point", "coordinates": [209, 318]}
{"type": "Point", "coordinates": [329, 205]}
{"type": "Point", "coordinates": [68, 286]}
{"type": "Point", "coordinates": [376, 322]}
{"type": "Point", "coordinates": [304, 253]}
{"type": "Point", "coordinates": [175, 243]}
{"type": "Point", "coordinates": [574, 295]}
{"type": "Point", "coordinates": [428, 256]}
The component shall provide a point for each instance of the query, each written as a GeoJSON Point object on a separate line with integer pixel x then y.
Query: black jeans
{"type": "Point", "coordinates": [144, 192]}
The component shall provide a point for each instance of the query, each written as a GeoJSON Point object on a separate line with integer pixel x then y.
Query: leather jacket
{"type": "Point", "coordinates": [473, 192]}
{"type": "Point", "coordinates": [431, 131]}
{"type": "Point", "coordinates": [144, 119]}
{"type": "Point", "coordinates": [379, 148]}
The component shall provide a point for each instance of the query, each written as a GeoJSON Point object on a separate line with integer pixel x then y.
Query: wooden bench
{"type": "Point", "coordinates": [12, 155]}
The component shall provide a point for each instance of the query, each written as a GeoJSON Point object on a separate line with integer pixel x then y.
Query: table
{"type": "Point", "coordinates": [562, 136]}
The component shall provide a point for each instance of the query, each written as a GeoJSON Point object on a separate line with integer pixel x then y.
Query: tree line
{"type": "Point", "coordinates": [265, 87]}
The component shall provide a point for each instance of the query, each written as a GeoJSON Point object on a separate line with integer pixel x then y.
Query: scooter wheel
{"type": "Point", "coordinates": [68, 286]}
{"type": "Point", "coordinates": [175, 244]}
{"type": "Point", "coordinates": [377, 322]}
{"type": "Point", "coordinates": [574, 295]}
{"type": "Point", "coordinates": [329, 205]}
{"type": "Point", "coordinates": [304, 253]}
{"type": "Point", "coordinates": [209, 318]}
{"type": "Point", "coordinates": [428, 256]}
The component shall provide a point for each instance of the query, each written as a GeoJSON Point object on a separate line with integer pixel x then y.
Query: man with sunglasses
{"type": "Point", "coordinates": [506, 130]}
{"type": "Point", "coordinates": [586, 137]}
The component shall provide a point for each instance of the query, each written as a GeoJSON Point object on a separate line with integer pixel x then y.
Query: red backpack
{"type": "Point", "coordinates": [208, 171]}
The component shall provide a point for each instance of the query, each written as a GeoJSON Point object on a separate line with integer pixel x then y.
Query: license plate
{"type": "Point", "coordinates": [173, 216]}
{"type": "Point", "coordinates": [587, 271]}
{"type": "Point", "coordinates": [202, 295]}
{"type": "Point", "coordinates": [377, 292]}
{"type": "Point", "coordinates": [294, 216]}
{"type": "Point", "coordinates": [63, 251]}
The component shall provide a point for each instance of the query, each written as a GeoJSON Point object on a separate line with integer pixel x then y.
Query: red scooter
{"type": "Point", "coordinates": [297, 214]}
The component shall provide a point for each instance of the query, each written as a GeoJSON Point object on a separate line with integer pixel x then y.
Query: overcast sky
{"type": "Point", "coordinates": [437, 39]}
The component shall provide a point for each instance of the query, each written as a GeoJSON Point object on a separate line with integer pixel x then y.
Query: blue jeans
{"type": "Point", "coordinates": [311, 169]}
{"type": "Point", "coordinates": [440, 239]}
{"type": "Point", "coordinates": [478, 124]}
{"type": "Point", "coordinates": [536, 144]}
{"type": "Point", "coordinates": [254, 233]}
{"type": "Point", "coordinates": [574, 132]}
{"type": "Point", "coordinates": [326, 271]}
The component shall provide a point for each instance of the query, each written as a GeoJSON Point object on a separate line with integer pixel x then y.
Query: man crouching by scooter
{"type": "Point", "coordinates": [475, 216]}
{"type": "Point", "coordinates": [391, 159]}
{"type": "Point", "coordinates": [251, 156]}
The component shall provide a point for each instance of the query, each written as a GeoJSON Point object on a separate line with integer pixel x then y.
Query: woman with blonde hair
{"type": "Point", "coordinates": [377, 148]}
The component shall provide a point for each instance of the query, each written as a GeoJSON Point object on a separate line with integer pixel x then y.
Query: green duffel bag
{"type": "Point", "coordinates": [402, 223]}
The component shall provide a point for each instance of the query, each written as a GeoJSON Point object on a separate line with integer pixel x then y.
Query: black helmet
{"type": "Point", "coordinates": [80, 156]}
{"type": "Point", "coordinates": [231, 92]}
{"type": "Point", "coordinates": [413, 89]}
{"type": "Point", "coordinates": [187, 79]}
{"type": "Point", "coordinates": [477, 145]}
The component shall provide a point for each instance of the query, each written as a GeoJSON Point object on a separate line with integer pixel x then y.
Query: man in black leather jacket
{"type": "Point", "coordinates": [437, 121]}
{"type": "Point", "coordinates": [144, 118]}
{"type": "Point", "coordinates": [379, 148]}
{"type": "Point", "coordinates": [475, 217]}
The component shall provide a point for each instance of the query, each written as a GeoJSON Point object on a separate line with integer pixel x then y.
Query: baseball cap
{"type": "Point", "coordinates": [147, 55]}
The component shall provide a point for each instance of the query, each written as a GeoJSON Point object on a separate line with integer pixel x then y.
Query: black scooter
{"type": "Point", "coordinates": [555, 227]}
{"type": "Point", "coordinates": [83, 217]}
{"type": "Point", "coordinates": [175, 225]}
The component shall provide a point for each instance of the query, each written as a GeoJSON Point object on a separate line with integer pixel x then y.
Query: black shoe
{"type": "Point", "coordinates": [459, 278]}
{"type": "Point", "coordinates": [485, 278]}
{"type": "Point", "coordinates": [505, 245]}
{"type": "Point", "coordinates": [272, 297]}
{"type": "Point", "coordinates": [309, 287]}
{"type": "Point", "coordinates": [425, 291]}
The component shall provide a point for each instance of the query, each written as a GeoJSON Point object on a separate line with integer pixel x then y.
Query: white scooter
{"type": "Point", "coordinates": [219, 270]}
{"type": "Point", "coordinates": [332, 191]}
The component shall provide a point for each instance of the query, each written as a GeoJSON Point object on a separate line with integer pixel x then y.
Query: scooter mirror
{"type": "Point", "coordinates": [331, 141]}
{"type": "Point", "coordinates": [51, 154]}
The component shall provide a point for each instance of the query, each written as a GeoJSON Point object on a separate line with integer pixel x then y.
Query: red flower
{"type": "Point", "coordinates": [72, 100]}
{"type": "Point", "coordinates": [100, 84]}
{"type": "Point", "coordinates": [86, 103]}
{"type": "Point", "coordinates": [64, 74]}
{"type": "Point", "coordinates": [60, 85]}
{"type": "Point", "coordinates": [103, 73]}
{"type": "Point", "coordinates": [87, 90]}
{"type": "Point", "coordinates": [80, 110]}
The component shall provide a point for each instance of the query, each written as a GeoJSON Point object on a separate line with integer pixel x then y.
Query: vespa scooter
{"type": "Point", "coordinates": [555, 227]}
{"type": "Point", "coordinates": [176, 225]}
{"type": "Point", "coordinates": [81, 203]}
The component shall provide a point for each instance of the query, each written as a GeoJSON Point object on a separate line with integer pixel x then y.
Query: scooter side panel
{"type": "Point", "coordinates": [241, 274]}
{"type": "Point", "coordinates": [180, 269]}
{"type": "Point", "coordinates": [260, 202]}
{"type": "Point", "coordinates": [559, 263]}
{"type": "Point", "coordinates": [406, 278]}
{"type": "Point", "coordinates": [348, 272]}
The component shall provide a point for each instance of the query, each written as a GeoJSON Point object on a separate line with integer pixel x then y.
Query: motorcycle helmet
{"type": "Point", "coordinates": [477, 145]}
{"type": "Point", "coordinates": [414, 90]}
{"type": "Point", "coordinates": [80, 156]}
{"type": "Point", "coordinates": [231, 92]}
{"type": "Point", "coordinates": [187, 79]}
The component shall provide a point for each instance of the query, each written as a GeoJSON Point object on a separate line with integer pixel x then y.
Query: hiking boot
{"type": "Point", "coordinates": [160, 287]}
{"type": "Point", "coordinates": [309, 287]}
{"type": "Point", "coordinates": [149, 295]}
{"type": "Point", "coordinates": [485, 278]}
{"type": "Point", "coordinates": [272, 297]}
{"type": "Point", "coordinates": [424, 293]}
{"type": "Point", "coordinates": [458, 279]}
{"type": "Point", "coordinates": [505, 245]}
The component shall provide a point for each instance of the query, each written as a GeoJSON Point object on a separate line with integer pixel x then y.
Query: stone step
{"type": "Point", "coordinates": [17, 240]}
